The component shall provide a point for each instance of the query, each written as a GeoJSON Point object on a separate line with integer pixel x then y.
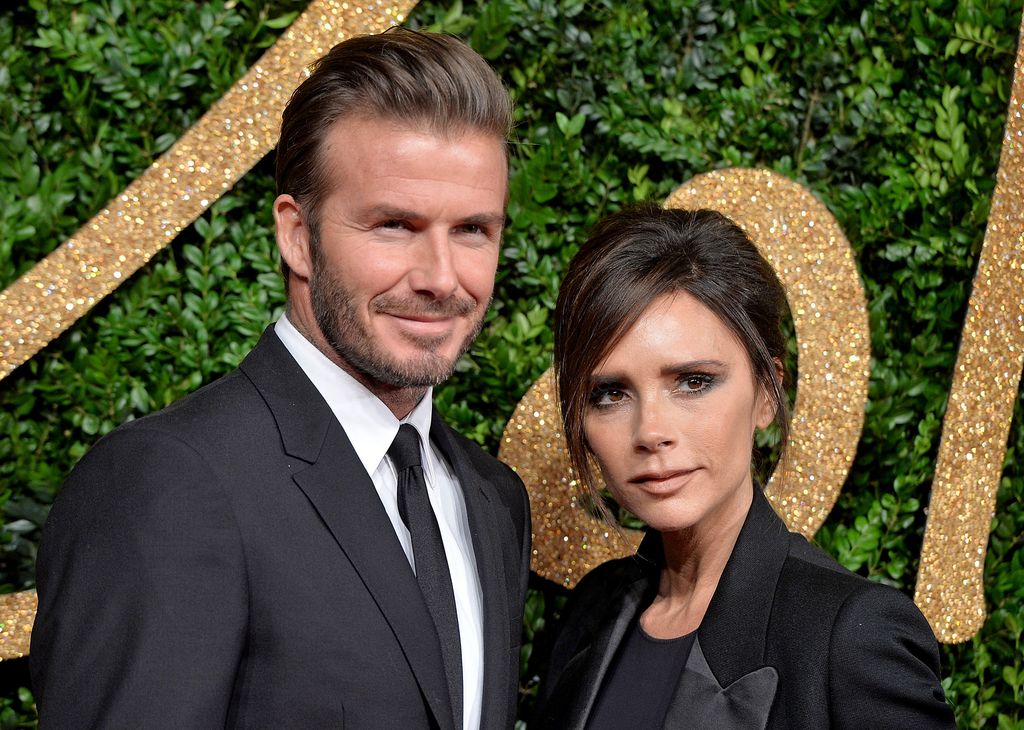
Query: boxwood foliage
{"type": "Point", "coordinates": [890, 112]}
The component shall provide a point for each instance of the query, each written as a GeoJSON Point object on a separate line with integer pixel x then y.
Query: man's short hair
{"type": "Point", "coordinates": [427, 80]}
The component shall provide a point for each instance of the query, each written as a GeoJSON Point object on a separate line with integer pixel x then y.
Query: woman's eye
{"type": "Point", "coordinates": [695, 383]}
{"type": "Point", "coordinates": [606, 396]}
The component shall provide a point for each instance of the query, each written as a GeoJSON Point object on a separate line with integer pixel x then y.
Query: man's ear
{"type": "Point", "coordinates": [767, 408]}
{"type": "Point", "coordinates": [292, 236]}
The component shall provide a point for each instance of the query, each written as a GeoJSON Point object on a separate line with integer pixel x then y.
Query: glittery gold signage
{"type": "Point", "coordinates": [796, 233]}
{"type": "Point", "coordinates": [950, 591]}
{"type": "Point", "coordinates": [212, 156]}
{"type": "Point", "coordinates": [17, 611]}
{"type": "Point", "coordinates": [804, 243]}
{"type": "Point", "coordinates": [808, 250]}
{"type": "Point", "coordinates": [567, 540]}
{"type": "Point", "coordinates": [200, 167]}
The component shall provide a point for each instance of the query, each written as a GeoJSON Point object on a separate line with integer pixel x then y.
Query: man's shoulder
{"type": "Point", "coordinates": [221, 398]}
{"type": "Point", "coordinates": [206, 421]}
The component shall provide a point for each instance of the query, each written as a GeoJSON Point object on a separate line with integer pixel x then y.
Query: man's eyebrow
{"type": "Point", "coordinates": [383, 211]}
{"type": "Point", "coordinates": [478, 219]}
{"type": "Point", "coordinates": [486, 219]}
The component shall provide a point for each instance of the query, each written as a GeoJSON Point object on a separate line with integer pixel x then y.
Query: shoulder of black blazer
{"type": "Point", "coordinates": [780, 603]}
{"type": "Point", "coordinates": [270, 397]}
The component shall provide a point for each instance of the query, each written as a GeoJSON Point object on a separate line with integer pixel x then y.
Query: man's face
{"type": "Point", "coordinates": [408, 242]}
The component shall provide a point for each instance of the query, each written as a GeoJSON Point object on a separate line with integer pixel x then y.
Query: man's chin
{"type": "Point", "coordinates": [415, 368]}
{"type": "Point", "coordinates": [412, 350]}
{"type": "Point", "coordinates": [426, 370]}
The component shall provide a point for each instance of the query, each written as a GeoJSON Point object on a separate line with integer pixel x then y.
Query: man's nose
{"type": "Point", "coordinates": [433, 271]}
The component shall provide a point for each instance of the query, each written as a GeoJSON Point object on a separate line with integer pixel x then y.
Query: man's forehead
{"type": "Point", "coordinates": [445, 130]}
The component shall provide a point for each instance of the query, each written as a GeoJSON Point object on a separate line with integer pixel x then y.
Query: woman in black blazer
{"type": "Point", "coordinates": [668, 356]}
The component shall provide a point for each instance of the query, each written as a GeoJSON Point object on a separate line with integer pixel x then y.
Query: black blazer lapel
{"type": "Point", "coordinates": [700, 702]}
{"type": "Point", "coordinates": [725, 683]}
{"type": "Point", "coordinates": [330, 474]}
{"type": "Point", "coordinates": [735, 626]}
{"type": "Point", "coordinates": [493, 539]}
{"type": "Point", "coordinates": [584, 673]}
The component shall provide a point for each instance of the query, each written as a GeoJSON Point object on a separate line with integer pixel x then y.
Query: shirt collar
{"type": "Point", "coordinates": [368, 423]}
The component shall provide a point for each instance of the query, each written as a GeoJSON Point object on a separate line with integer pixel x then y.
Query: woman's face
{"type": "Point", "coordinates": [671, 418]}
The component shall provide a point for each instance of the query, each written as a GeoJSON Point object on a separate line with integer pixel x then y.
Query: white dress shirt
{"type": "Point", "coordinates": [371, 427]}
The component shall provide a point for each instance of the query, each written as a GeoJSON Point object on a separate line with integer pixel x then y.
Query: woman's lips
{"type": "Point", "coordinates": [662, 482]}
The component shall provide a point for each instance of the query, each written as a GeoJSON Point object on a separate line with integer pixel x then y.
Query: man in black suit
{"type": "Point", "coordinates": [304, 543]}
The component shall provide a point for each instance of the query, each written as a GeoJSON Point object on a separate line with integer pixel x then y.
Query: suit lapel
{"type": "Point", "coordinates": [701, 702]}
{"type": "Point", "coordinates": [492, 535]}
{"type": "Point", "coordinates": [725, 683]}
{"type": "Point", "coordinates": [581, 679]}
{"type": "Point", "coordinates": [335, 482]}
{"type": "Point", "coordinates": [735, 627]}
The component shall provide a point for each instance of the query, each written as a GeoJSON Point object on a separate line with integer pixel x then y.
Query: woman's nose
{"type": "Point", "coordinates": [653, 430]}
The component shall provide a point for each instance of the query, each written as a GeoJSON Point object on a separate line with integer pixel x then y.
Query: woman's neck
{"type": "Point", "coordinates": [695, 559]}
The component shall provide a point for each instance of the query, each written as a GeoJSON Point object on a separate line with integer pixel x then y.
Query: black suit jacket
{"type": "Point", "coordinates": [790, 640]}
{"type": "Point", "coordinates": [227, 563]}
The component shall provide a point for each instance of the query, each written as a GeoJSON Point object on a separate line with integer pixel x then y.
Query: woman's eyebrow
{"type": "Point", "coordinates": [688, 366]}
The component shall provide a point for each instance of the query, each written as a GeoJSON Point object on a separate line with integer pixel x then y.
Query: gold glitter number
{"type": "Point", "coordinates": [199, 168]}
{"type": "Point", "coordinates": [17, 612]}
{"type": "Point", "coordinates": [950, 588]}
{"type": "Point", "coordinates": [237, 131]}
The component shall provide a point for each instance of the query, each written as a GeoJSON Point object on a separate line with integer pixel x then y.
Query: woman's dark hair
{"type": "Point", "coordinates": [634, 257]}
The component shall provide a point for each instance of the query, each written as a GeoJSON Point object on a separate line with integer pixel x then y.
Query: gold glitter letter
{"type": "Point", "coordinates": [201, 166]}
{"type": "Point", "coordinates": [974, 432]}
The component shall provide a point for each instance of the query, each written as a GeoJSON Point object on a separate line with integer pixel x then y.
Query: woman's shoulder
{"type": "Point", "coordinates": [869, 643]}
{"type": "Point", "coordinates": [814, 589]}
{"type": "Point", "coordinates": [814, 570]}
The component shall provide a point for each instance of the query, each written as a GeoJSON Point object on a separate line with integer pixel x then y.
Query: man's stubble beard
{"type": "Point", "coordinates": [339, 323]}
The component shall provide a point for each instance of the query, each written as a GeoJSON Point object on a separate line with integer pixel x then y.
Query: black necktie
{"type": "Point", "coordinates": [429, 556]}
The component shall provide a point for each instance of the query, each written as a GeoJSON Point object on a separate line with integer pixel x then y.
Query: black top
{"type": "Point", "coordinates": [641, 681]}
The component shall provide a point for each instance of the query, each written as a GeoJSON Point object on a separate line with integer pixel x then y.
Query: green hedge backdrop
{"type": "Point", "coordinates": [891, 113]}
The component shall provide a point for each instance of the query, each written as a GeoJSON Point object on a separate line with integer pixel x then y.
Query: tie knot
{"type": "Point", "coordinates": [405, 449]}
